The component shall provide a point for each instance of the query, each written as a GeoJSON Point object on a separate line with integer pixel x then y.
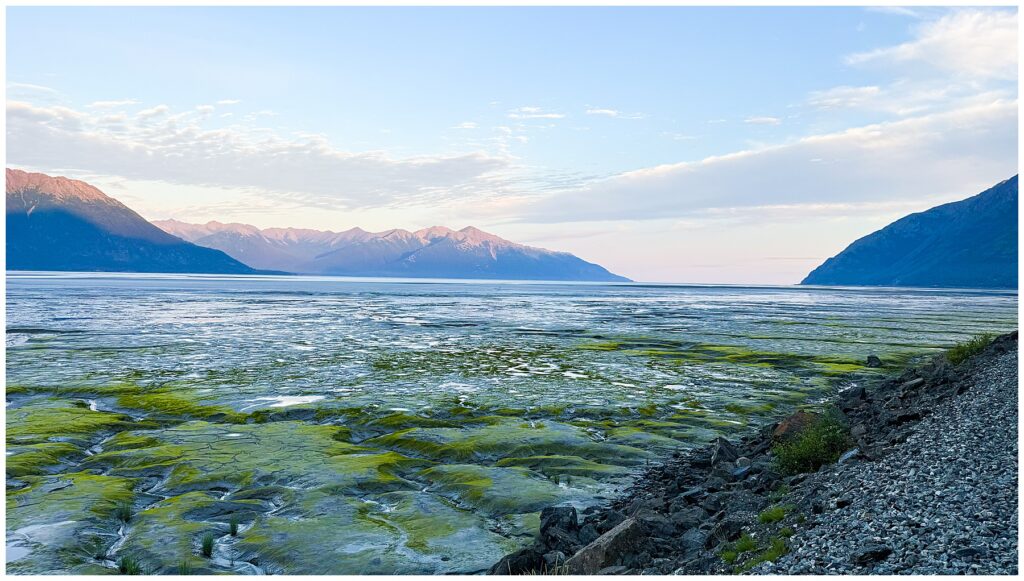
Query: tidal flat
{"type": "Point", "coordinates": [315, 425]}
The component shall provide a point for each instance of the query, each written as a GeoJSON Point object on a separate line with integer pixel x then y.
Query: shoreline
{"type": "Point", "coordinates": [730, 508]}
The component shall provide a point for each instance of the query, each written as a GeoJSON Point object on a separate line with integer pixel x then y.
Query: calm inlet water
{"type": "Point", "coordinates": [361, 426]}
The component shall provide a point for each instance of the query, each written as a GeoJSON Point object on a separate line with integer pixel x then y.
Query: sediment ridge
{"type": "Point", "coordinates": [916, 474]}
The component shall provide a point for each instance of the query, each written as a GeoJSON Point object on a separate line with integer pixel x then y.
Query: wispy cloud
{"type": "Point", "coordinates": [466, 125]}
{"type": "Point", "coordinates": [153, 112]}
{"type": "Point", "coordinates": [969, 43]}
{"type": "Point", "coordinates": [604, 112]}
{"type": "Point", "coordinates": [175, 147]}
{"type": "Point", "coordinates": [533, 113]}
{"type": "Point", "coordinates": [843, 97]}
{"type": "Point", "coordinates": [763, 120]}
{"type": "Point", "coordinates": [954, 152]}
{"type": "Point", "coordinates": [229, 101]}
{"type": "Point", "coordinates": [112, 104]}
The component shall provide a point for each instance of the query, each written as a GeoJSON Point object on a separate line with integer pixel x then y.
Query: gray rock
{"type": "Point", "coordinates": [628, 536]}
{"type": "Point", "coordinates": [870, 554]}
{"type": "Point", "coordinates": [723, 451]}
{"type": "Point", "coordinates": [848, 455]}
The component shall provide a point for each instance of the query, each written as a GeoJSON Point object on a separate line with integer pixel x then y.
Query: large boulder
{"type": "Point", "coordinates": [609, 549]}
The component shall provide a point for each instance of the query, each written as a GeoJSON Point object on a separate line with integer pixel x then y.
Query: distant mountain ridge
{"type": "Point", "coordinates": [56, 223]}
{"type": "Point", "coordinates": [971, 243]}
{"type": "Point", "coordinates": [436, 252]}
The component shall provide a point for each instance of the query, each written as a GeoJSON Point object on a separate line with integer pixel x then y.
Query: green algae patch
{"type": "Point", "coordinates": [323, 533]}
{"type": "Point", "coordinates": [507, 438]}
{"type": "Point", "coordinates": [202, 456]}
{"type": "Point", "coordinates": [178, 403]}
{"type": "Point", "coordinates": [51, 420]}
{"type": "Point", "coordinates": [555, 466]}
{"type": "Point", "coordinates": [55, 520]}
{"type": "Point", "coordinates": [39, 458]}
{"type": "Point", "coordinates": [495, 490]}
{"type": "Point", "coordinates": [450, 539]}
{"type": "Point", "coordinates": [640, 438]}
{"type": "Point", "coordinates": [168, 533]}
{"type": "Point", "coordinates": [75, 496]}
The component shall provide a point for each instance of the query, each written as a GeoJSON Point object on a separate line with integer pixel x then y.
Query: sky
{"type": "Point", "coordinates": [699, 145]}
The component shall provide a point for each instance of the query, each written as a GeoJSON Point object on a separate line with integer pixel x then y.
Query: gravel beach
{"type": "Point", "coordinates": [942, 502]}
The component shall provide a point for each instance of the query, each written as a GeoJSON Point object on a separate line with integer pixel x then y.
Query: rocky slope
{"type": "Point", "coordinates": [966, 244]}
{"type": "Point", "coordinates": [927, 486]}
{"type": "Point", "coordinates": [437, 252]}
{"type": "Point", "coordinates": [56, 223]}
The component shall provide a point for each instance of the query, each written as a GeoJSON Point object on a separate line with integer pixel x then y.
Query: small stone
{"type": "Point", "coordinates": [874, 361]}
{"type": "Point", "coordinates": [871, 554]}
{"type": "Point", "coordinates": [848, 455]}
{"type": "Point", "coordinates": [742, 461]}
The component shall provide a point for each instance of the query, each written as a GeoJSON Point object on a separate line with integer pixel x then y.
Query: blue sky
{"type": "Point", "coordinates": [668, 144]}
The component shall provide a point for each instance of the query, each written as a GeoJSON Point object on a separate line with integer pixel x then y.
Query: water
{"type": "Point", "coordinates": [452, 374]}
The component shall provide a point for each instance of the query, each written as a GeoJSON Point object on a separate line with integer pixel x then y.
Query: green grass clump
{"type": "Point", "coordinates": [965, 350]}
{"type": "Point", "coordinates": [787, 532]}
{"type": "Point", "coordinates": [776, 549]}
{"type": "Point", "coordinates": [818, 444]}
{"type": "Point", "coordinates": [129, 565]}
{"type": "Point", "coordinates": [207, 545]}
{"type": "Point", "coordinates": [233, 526]}
{"type": "Point", "coordinates": [731, 551]}
{"type": "Point", "coordinates": [745, 543]}
{"type": "Point", "coordinates": [778, 493]}
{"type": "Point", "coordinates": [123, 511]}
{"type": "Point", "coordinates": [773, 514]}
{"type": "Point", "coordinates": [185, 567]}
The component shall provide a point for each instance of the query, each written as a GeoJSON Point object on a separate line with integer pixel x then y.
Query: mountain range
{"type": "Point", "coordinates": [971, 243]}
{"type": "Point", "coordinates": [55, 223]}
{"type": "Point", "coordinates": [436, 252]}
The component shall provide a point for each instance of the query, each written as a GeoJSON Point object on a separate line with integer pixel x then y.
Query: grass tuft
{"type": "Point", "coordinates": [123, 511]}
{"type": "Point", "coordinates": [233, 526]}
{"type": "Point", "coordinates": [773, 514]}
{"type": "Point", "coordinates": [816, 445]}
{"type": "Point", "coordinates": [965, 350]}
{"type": "Point", "coordinates": [185, 567]}
{"type": "Point", "coordinates": [129, 565]}
{"type": "Point", "coordinates": [776, 549]}
{"type": "Point", "coordinates": [207, 545]}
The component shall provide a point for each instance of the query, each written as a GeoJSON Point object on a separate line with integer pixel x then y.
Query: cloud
{"type": "Point", "coordinates": [980, 44]}
{"type": "Point", "coordinates": [951, 154]}
{"type": "Point", "coordinates": [153, 112]}
{"type": "Point", "coordinates": [229, 101]}
{"type": "Point", "coordinates": [613, 113]}
{"type": "Point", "coordinates": [763, 120]}
{"type": "Point", "coordinates": [533, 113]}
{"type": "Point", "coordinates": [30, 89]}
{"type": "Point", "coordinates": [843, 97]}
{"type": "Point", "coordinates": [466, 125]}
{"type": "Point", "coordinates": [176, 148]}
{"type": "Point", "coordinates": [112, 104]}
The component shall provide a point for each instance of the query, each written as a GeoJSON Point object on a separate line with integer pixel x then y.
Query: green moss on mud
{"type": "Point", "coordinates": [498, 491]}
